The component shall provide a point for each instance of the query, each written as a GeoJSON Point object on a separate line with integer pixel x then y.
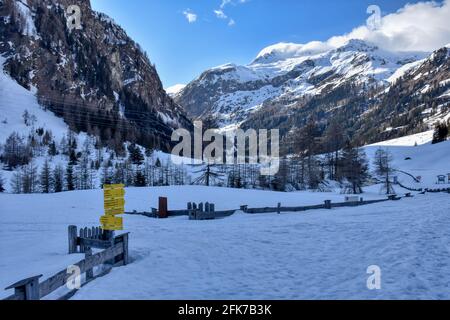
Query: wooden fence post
{"type": "Point", "coordinates": [72, 239]}
{"type": "Point", "coordinates": [163, 210]}
{"type": "Point", "coordinates": [125, 249]}
{"type": "Point", "coordinates": [194, 211]}
{"type": "Point", "coordinates": [89, 272]}
{"type": "Point", "coordinates": [82, 235]}
{"type": "Point", "coordinates": [27, 289]}
{"type": "Point", "coordinates": [327, 204]}
{"type": "Point", "coordinates": [279, 208]}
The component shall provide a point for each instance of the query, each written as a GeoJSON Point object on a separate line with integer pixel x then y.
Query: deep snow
{"type": "Point", "coordinates": [317, 254]}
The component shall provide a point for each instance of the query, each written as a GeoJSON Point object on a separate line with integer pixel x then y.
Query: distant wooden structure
{"type": "Point", "coordinates": [441, 179]}
{"type": "Point", "coordinates": [163, 211]}
{"type": "Point", "coordinates": [201, 212]}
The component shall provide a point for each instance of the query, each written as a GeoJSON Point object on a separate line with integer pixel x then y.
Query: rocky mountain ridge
{"type": "Point", "coordinates": [97, 78]}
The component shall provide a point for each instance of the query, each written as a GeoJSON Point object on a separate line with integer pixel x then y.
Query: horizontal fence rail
{"type": "Point", "coordinates": [199, 212]}
{"type": "Point", "coordinates": [116, 254]}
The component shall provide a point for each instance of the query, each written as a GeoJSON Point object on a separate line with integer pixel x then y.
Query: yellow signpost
{"type": "Point", "coordinates": [114, 204]}
{"type": "Point", "coordinates": [111, 223]}
{"type": "Point", "coordinates": [114, 193]}
{"type": "Point", "coordinates": [114, 211]}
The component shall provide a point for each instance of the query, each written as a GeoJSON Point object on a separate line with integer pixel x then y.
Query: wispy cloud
{"type": "Point", "coordinates": [220, 13]}
{"type": "Point", "coordinates": [190, 15]}
{"type": "Point", "coordinates": [224, 3]}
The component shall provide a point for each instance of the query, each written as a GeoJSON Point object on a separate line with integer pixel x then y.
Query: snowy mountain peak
{"type": "Point", "coordinates": [283, 51]}
{"type": "Point", "coordinates": [279, 51]}
{"type": "Point", "coordinates": [288, 72]}
{"type": "Point", "coordinates": [224, 67]}
{"type": "Point", "coordinates": [358, 46]}
{"type": "Point", "coordinates": [175, 89]}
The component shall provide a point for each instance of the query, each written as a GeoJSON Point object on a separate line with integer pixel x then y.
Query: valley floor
{"type": "Point", "coordinates": [318, 254]}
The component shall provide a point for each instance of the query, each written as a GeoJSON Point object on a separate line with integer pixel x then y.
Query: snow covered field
{"type": "Point", "coordinates": [318, 254]}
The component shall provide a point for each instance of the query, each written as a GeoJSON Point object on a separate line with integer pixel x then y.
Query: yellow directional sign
{"type": "Point", "coordinates": [114, 193]}
{"type": "Point", "coordinates": [111, 223]}
{"type": "Point", "coordinates": [114, 211]}
{"type": "Point", "coordinates": [113, 186]}
{"type": "Point", "coordinates": [114, 205]}
{"type": "Point", "coordinates": [118, 202]}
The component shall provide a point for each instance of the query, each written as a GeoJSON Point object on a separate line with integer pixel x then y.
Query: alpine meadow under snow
{"type": "Point", "coordinates": [79, 111]}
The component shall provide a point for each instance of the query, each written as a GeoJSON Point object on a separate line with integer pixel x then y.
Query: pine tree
{"type": "Point", "coordinates": [70, 178]}
{"type": "Point", "coordinates": [307, 147]}
{"type": "Point", "coordinates": [354, 167]}
{"type": "Point", "coordinates": [440, 132]}
{"type": "Point", "coordinates": [210, 176]}
{"type": "Point", "coordinates": [58, 179]}
{"type": "Point", "coordinates": [16, 152]}
{"type": "Point", "coordinates": [52, 150]}
{"type": "Point", "coordinates": [30, 178]}
{"type": "Point", "coordinates": [383, 168]}
{"type": "Point", "coordinates": [136, 156]}
{"type": "Point", "coordinates": [281, 178]}
{"type": "Point", "coordinates": [334, 140]}
{"type": "Point", "coordinates": [107, 173]}
{"type": "Point", "coordinates": [139, 179]}
{"type": "Point", "coordinates": [16, 182]}
{"type": "Point", "coordinates": [46, 178]}
{"type": "Point", "coordinates": [73, 160]}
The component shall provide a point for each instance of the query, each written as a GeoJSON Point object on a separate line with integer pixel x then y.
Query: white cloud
{"type": "Point", "coordinates": [224, 3]}
{"type": "Point", "coordinates": [220, 14]}
{"type": "Point", "coordinates": [190, 15]}
{"type": "Point", "coordinates": [423, 26]}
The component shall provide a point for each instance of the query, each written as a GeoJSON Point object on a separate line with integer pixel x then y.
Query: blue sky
{"type": "Point", "coordinates": [181, 49]}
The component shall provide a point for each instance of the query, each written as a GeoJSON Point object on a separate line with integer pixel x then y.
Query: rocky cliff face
{"type": "Point", "coordinates": [97, 78]}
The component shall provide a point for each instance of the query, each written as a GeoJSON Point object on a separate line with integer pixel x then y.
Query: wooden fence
{"type": "Point", "coordinates": [445, 190]}
{"type": "Point", "coordinates": [199, 212]}
{"type": "Point", "coordinates": [115, 254]}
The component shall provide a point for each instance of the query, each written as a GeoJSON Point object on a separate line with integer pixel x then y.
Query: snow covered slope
{"type": "Point", "coordinates": [14, 101]}
{"type": "Point", "coordinates": [173, 91]}
{"type": "Point", "coordinates": [426, 160]}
